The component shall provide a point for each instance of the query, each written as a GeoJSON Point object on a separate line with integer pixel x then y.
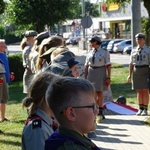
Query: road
{"type": "Point", "coordinates": [115, 58]}
{"type": "Point", "coordinates": [12, 49]}
{"type": "Point", "coordinates": [120, 59]}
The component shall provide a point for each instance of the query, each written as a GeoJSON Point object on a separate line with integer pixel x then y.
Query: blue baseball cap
{"type": "Point", "coordinates": [72, 62]}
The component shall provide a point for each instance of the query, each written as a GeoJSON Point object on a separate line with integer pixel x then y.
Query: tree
{"type": "Point", "coordinates": [38, 13]}
{"type": "Point", "coordinates": [90, 9]}
{"type": "Point", "coordinates": [2, 6]}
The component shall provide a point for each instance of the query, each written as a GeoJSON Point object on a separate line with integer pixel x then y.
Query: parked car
{"type": "Point", "coordinates": [73, 41]}
{"type": "Point", "coordinates": [127, 50]}
{"type": "Point", "coordinates": [110, 45]}
{"type": "Point", "coordinates": [119, 47]}
{"type": "Point", "coordinates": [105, 43]}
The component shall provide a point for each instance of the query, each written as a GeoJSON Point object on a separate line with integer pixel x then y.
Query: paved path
{"type": "Point", "coordinates": [121, 132]}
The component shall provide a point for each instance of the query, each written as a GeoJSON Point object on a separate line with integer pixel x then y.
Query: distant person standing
{"type": "Point", "coordinates": [98, 71]}
{"type": "Point", "coordinates": [35, 49]}
{"type": "Point", "coordinates": [28, 75]}
{"type": "Point", "coordinates": [4, 80]}
{"type": "Point", "coordinates": [139, 67]}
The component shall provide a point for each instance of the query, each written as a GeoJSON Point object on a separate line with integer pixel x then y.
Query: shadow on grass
{"type": "Point", "coordinates": [12, 134]}
{"type": "Point", "coordinates": [10, 143]}
{"type": "Point", "coordinates": [19, 121]}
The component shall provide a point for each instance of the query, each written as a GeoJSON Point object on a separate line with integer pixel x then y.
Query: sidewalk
{"type": "Point", "coordinates": [122, 132]}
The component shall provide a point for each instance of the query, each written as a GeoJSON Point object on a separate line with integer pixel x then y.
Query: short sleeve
{"type": "Point", "coordinates": [107, 58]}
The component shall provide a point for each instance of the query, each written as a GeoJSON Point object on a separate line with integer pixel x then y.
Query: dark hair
{"type": "Point", "coordinates": [98, 42]}
{"type": "Point", "coordinates": [37, 90]}
{"type": "Point", "coordinates": [65, 92]}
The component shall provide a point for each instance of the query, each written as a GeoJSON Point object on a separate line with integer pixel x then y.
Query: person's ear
{"type": "Point", "coordinates": [70, 114]}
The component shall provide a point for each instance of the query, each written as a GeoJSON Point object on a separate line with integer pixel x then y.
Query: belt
{"type": "Point", "coordinates": [143, 66]}
{"type": "Point", "coordinates": [94, 67]}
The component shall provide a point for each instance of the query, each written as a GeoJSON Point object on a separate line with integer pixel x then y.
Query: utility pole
{"type": "Point", "coordinates": [83, 29]}
{"type": "Point", "coordinates": [136, 19]}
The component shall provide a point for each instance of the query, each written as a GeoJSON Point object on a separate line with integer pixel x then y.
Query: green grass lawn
{"type": "Point", "coordinates": [119, 85]}
{"type": "Point", "coordinates": [10, 132]}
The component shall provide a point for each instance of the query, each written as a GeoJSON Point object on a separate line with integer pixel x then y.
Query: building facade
{"type": "Point", "coordinates": [115, 21]}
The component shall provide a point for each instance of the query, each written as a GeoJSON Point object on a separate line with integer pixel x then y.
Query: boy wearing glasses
{"type": "Point", "coordinates": [73, 104]}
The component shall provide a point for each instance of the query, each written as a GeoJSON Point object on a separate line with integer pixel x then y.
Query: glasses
{"type": "Point", "coordinates": [93, 106]}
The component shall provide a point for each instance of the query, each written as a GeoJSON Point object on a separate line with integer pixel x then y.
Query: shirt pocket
{"type": "Point", "coordinates": [145, 57]}
{"type": "Point", "coordinates": [134, 57]}
{"type": "Point", "coordinates": [100, 57]}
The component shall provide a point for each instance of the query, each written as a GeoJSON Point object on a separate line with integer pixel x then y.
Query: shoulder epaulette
{"type": "Point", "coordinates": [37, 123]}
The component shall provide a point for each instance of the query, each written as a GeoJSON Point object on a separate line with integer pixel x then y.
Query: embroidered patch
{"type": "Point", "coordinates": [36, 123]}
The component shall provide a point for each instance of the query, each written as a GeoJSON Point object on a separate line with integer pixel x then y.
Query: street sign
{"type": "Point", "coordinates": [86, 22]}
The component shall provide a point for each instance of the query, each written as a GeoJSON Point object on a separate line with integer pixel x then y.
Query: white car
{"type": "Point", "coordinates": [110, 45]}
{"type": "Point", "coordinates": [127, 50]}
{"type": "Point", "coordinates": [119, 47]}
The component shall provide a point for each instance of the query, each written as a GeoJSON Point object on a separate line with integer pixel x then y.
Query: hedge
{"type": "Point", "coordinates": [16, 66]}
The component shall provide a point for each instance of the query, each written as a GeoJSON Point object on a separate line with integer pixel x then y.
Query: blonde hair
{"type": "Point", "coordinates": [23, 43]}
{"type": "Point", "coordinates": [58, 51]}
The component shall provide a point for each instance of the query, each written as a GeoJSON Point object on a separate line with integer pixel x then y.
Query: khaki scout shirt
{"type": "Point", "coordinates": [70, 145]}
{"type": "Point", "coordinates": [2, 68]}
{"type": "Point", "coordinates": [140, 57]}
{"type": "Point", "coordinates": [25, 56]}
{"type": "Point", "coordinates": [102, 58]}
{"type": "Point", "coordinates": [34, 138]}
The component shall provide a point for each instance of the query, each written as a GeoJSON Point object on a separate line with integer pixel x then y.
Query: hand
{"type": "Point", "coordinates": [107, 82]}
{"type": "Point", "coordinates": [128, 79]}
{"type": "Point", "coordinates": [1, 81]}
{"type": "Point", "coordinates": [12, 76]}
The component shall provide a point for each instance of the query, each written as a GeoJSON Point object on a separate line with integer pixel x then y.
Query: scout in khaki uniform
{"type": "Point", "coordinates": [28, 75]}
{"type": "Point", "coordinates": [139, 67]}
{"type": "Point", "coordinates": [73, 104]}
{"type": "Point", "coordinates": [98, 70]}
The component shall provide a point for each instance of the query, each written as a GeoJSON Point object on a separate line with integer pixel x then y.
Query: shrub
{"type": "Point", "coordinates": [15, 64]}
